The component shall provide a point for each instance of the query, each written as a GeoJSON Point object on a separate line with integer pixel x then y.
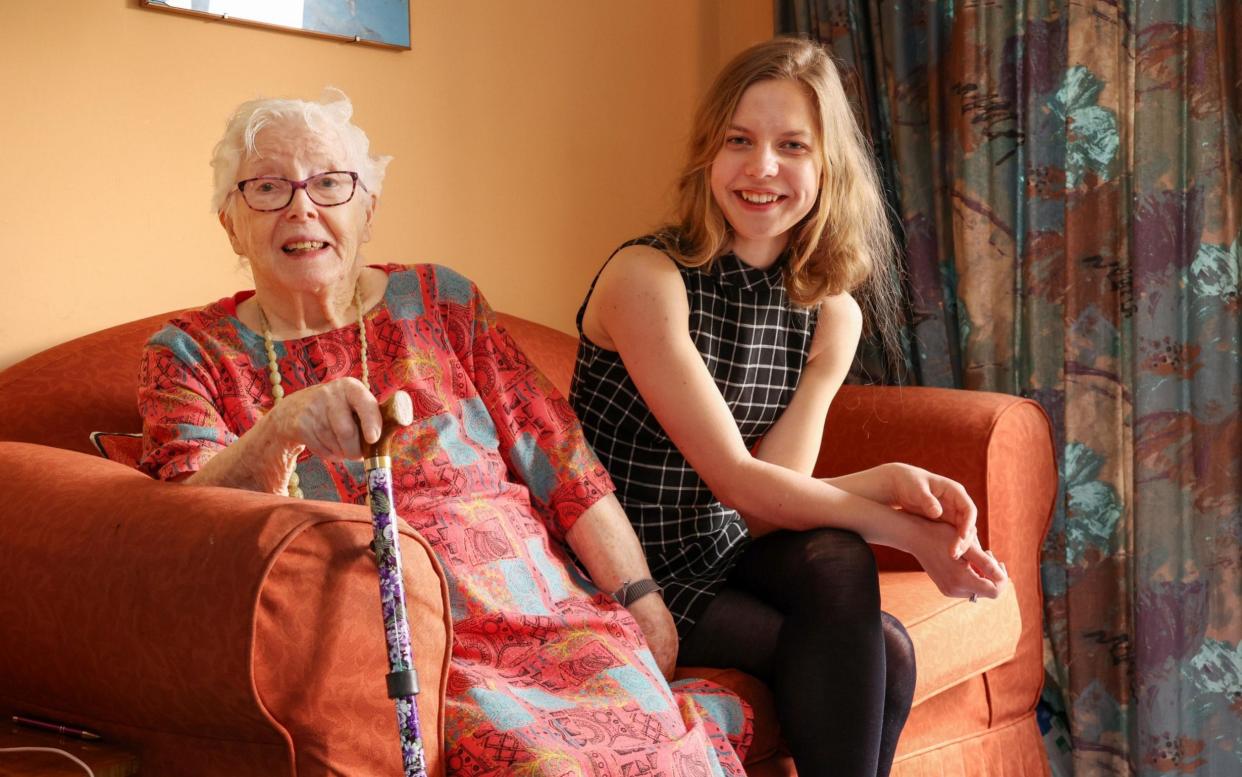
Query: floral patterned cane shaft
{"type": "Point", "coordinates": [392, 602]}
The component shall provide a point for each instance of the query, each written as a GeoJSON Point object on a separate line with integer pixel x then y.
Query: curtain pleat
{"type": "Point", "coordinates": [1066, 178]}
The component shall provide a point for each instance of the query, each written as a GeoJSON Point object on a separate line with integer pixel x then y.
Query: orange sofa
{"type": "Point", "coordinates": [224, 632]}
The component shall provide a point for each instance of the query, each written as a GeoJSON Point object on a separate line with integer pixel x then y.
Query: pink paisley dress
{"type": "Point", "coordinates": [548, 675]}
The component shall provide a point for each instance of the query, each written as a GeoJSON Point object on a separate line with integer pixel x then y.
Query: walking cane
{"type": "Point", "coordinates": [398, 411]}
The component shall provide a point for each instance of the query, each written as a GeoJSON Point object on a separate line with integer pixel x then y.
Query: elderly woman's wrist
{"type": "Point", "coordinates": [631, 591]}
{"type": "Point", "coordinates": [264, 457]}
{"type": "Point", "coordinates": [274, 439]}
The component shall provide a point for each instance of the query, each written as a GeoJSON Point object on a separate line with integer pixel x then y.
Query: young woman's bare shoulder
{"type": "Point", "coordinates": [839, 327]}
{"type": "Point", "coordinates": [841, 309]}
{"type": "Point", "coordinates": [640, 264]}
{"type": "Point", "coordinates": [640, 287]}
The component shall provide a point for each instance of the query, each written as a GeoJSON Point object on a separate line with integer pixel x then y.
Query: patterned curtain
{"type": "Point", "coordinates": [1069, 180]}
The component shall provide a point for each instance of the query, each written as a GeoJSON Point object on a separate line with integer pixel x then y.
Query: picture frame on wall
{"type": "Point", "coordinates": [373, 22]}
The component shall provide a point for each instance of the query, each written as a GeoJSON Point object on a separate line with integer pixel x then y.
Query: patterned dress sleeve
{"type": "Point", "coordinates": [539, 435]}
{"type": "Point", "coordinates": [181, 422]}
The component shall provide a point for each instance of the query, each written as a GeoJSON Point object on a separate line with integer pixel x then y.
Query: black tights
{"type": "Point", "coordinates": [801, 611]}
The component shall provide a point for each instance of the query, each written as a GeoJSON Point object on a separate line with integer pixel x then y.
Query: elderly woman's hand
{"type": "Point", "coordinates": [656, 622]}
{"type": "Point", "coordinates": [327, 419]}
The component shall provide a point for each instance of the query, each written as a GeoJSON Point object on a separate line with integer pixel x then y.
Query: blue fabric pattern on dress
{"type": "Point", "coordinates": [478, 423]}
{"type": "Point", "coordinates": [522, 587]}
{"type": "Point", "coordinates": [404, 296]}
{"type": "Point", "coordinates": [180, 343]}
{"type": "Point", "coordinates": [454, 286]}
{"type": "Point", "coordinates": [551, 573]}
{"type": "Point", "coordinates": [533, 466]}
{"type": "Point", "coordinates": [502, 711]}
{"type": "Point", "coordinates": [448, 431]}
{"type": "Point", "coordinates": [636, 685]}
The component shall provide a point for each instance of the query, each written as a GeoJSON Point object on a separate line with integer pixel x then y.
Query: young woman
{"type": "Point", "coordinates": [708, 357]}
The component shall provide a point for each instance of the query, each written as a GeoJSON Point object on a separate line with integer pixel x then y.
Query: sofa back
{"type": "Point", "coordinates": [90, 384]}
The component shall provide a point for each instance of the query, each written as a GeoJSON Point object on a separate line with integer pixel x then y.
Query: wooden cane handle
{"type": "Point", "coordinates": [395, 412]}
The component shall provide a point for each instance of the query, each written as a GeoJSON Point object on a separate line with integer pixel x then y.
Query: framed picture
{"type": "Point", "coordinates": [375, 22]}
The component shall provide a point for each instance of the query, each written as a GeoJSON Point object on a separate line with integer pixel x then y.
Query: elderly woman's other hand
{"type": "Point", "coordinates": [656, 622]}
{"type": "Point", "coordinates": [605, 543]}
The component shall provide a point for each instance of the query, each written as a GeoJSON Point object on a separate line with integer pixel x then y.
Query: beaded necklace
{"type": "Point", "coordinates": [273, 370]}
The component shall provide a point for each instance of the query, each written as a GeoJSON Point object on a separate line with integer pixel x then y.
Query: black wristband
{"type": "Point", "coordinates": [629, 592]}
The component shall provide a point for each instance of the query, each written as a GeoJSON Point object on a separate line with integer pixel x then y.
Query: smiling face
{"type": "Point", "coordinates": [765, 177]}
{"type": "Point", "coordinates": [304, 248]}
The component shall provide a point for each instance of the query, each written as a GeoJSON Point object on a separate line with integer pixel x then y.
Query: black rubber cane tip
{"type": "Point", "coordinates": [403, 683]}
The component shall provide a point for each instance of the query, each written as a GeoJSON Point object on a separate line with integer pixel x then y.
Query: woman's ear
{"type": "Point", "coordinates": [226, 221]}
{"type": "Point", "coordinates": [372, 204]}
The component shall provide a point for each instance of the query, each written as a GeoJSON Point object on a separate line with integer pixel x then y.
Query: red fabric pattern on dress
{"type": "Point", "coordinates": [548, 674]}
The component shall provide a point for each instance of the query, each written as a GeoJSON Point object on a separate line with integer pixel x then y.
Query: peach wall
{"type": "Point", "coordinates": [529, 139]}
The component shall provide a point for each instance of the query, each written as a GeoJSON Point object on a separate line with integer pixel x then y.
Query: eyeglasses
{"type": "Point", "coordinates": [268, 193]}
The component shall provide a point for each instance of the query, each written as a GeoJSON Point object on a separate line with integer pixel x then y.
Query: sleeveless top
{"type": "Point", "coordinates": [755, 344]}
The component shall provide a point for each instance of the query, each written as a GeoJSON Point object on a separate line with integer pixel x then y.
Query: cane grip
{"type": "Point", "coordinates": [395, 412]}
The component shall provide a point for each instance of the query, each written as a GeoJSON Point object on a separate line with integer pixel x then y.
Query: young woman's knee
{"type": "Point", "coordinates": [838, 571]}
{"type": "Point", "coordinates": [838, 552]}
{"type": "Point", "coordinates": [900, 663]}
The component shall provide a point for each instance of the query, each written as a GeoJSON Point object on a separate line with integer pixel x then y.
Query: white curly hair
{"type": "Point", "coordinates": [328, 118]}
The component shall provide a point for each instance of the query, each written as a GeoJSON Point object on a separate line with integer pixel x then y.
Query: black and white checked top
{"type": "Point", "coordinates": [755, 344]}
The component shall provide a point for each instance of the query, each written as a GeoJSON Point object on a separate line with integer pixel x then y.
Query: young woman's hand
{"type": "Point", "coordinates": [975, 573]}
{"type": "Point", "coordinates": [919, 492]}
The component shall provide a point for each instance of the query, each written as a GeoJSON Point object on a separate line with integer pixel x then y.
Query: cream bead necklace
{"type": "Point", "coordinates": [273, 369]}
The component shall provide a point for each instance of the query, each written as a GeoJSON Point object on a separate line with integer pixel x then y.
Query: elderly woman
{"type": "Point", "coordinates": [276, 389]}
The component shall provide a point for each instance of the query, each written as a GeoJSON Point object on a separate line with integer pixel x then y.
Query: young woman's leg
{"type": "Point", "coordinates": [899, 674]}
{"type": "Point", "coordinates": [736, 631]}
{"type": "Point", "coordinates": [802, 612]}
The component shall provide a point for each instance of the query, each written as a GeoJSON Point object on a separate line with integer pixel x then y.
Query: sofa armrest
{"type": "Point", "coordinates": [998, 446]}
{"type": "Point", "coordinates": [188, 619]}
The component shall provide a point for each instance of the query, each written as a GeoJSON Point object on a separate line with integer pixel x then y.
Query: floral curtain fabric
{"type": "Point", "coordinates": [1069, 180]}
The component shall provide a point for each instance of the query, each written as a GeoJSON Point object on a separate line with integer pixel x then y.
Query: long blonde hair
{"type": "Point", "coordinates": [845, 243]}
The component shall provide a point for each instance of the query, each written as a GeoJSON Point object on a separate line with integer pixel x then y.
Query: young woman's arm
{"type": "Point", "coordinates": [639, 309]}
{"type": "Point", "coordinates": [793, 441]}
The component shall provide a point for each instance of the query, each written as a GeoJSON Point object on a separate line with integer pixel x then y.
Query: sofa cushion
{"type": "Point", "coordinates": [242, 628]}
{"type": "Point", "coordinates": [551, 350]}
{"type": "Point", "coordinates": [319, 654]}
{"type": "Point", "coordinates": [954, 639]}
{"type": "Point", "coordinates": [122, 447]}
{"type": "Point", "coordinates": [101, 373]}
